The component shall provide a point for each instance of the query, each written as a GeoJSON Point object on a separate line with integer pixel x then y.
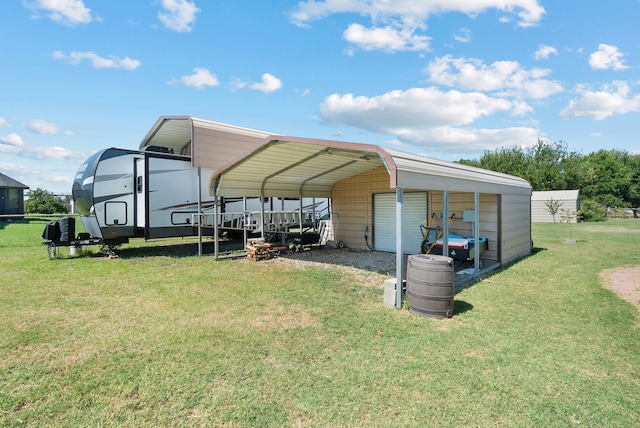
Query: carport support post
{"type": "Point", "coordinates": [476, 231]}
{"type": "Point", "coordinates": [399, 252]}
{"type": "Point", "coordinates": [262, 214]}
{"type": "Point", "coordinates": [199, 211]}
{"type": "Point", "coordinates": [445, 223]}
{"type": "Point", "coordinates": [216, 244]}
{"type": "Point", "coordinates": [300, 206]}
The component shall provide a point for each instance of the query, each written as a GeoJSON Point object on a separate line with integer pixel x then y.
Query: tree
{"type": "Point", "coordinates": [604, 178]}
{"type": "Point", "coordinates": [546, 166]}
{"type": "Point", "coordinates": [42, 202]}
{"type": "Point", "coordinates": [570, 216]}
{"type": "Point", "coordinates": [553, 206]}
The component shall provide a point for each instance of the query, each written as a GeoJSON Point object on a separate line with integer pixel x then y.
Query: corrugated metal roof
{"type": "Point", "coordinates": [288, 166]}
{"type": "Point", "coordinates": [422, 172]}
{"type": "Point", "coordinates": [198, 138]}
{"type": "Point", "coordinates": [8, 182]}
{"type": "Point", "coordinates": [291, 166]}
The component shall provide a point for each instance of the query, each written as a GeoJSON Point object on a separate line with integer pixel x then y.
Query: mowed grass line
{"type": "Point", "coordinates": [181, 340]}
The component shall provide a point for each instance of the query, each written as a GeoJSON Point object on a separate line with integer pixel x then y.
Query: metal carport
{"type": "Point", "coordinates": [301, 167]}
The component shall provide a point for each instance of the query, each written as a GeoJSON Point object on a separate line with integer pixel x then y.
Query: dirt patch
{"type": "Point", "coordinates": [625, 282]}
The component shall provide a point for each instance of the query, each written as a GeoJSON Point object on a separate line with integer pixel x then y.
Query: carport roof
{"type": "Point", "coordinates": [192, 137]}
{"type": "Point", "coordinates": [286, 166]}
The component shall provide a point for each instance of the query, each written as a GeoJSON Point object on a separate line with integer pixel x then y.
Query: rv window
{"type": "Point", "coordinates": [139, 184]}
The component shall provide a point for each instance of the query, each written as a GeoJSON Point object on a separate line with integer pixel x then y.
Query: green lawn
{"type": "Point", "coordinates": [179, 340]}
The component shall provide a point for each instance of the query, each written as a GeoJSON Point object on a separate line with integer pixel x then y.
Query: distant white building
{"type": "Point", "coordinates": [569, 200]}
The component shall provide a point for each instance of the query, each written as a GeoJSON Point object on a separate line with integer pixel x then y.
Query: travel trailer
{"type": "Point", "coordinates": [122, 194]}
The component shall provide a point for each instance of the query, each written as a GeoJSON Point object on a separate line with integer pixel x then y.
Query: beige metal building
{"type": "Point", "coordinates": [209, 144]}
{"type": "Point", "coordinates": [370, 187]}
{"type": "Point", "coordinates": [568, 199]}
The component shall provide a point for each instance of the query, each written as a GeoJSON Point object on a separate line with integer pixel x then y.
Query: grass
{"type": "Point", "coordinates": [151, 339]}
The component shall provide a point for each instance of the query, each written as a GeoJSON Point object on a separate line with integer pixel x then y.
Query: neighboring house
{"type": "Point", "coordinates": [11, 196]}
{"type": "Point", "coordinates": [569, 200]}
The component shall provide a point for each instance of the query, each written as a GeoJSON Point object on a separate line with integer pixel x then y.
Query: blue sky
{"type": "Point", "coordinates": [443, 78]}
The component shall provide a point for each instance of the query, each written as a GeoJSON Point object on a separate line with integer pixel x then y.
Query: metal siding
{"type": "Point", "coordinates": [420, 172]}
{"type": "Point", "coordinates": [414, 211]}
{"type": "Point", "coordinates": [214, 148]}
{"type": "Point", "coordinates": [352, 205]}
{"type": "Point", "coordinates": [515, 231]}
{"type": "Point", "coordinates": [214, 143]}
{"type": "Point", "coordinates": [570, 199]}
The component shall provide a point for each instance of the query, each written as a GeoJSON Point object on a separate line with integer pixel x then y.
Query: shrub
{"type": "Point", "coordinates": [592, 211]}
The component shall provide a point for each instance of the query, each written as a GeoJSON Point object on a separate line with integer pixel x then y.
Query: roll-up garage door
{"type": "Point", "coordinates": [414, 213]}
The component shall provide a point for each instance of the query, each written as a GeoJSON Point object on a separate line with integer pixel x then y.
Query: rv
{"type": "Point", "coordinates": [122, 194]}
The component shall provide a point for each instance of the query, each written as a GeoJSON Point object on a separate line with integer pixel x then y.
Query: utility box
{"type": "Point", "coordinates": [390, 292]}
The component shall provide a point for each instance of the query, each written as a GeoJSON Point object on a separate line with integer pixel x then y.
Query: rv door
{"type": "Point", "coordinates": [140, 185]}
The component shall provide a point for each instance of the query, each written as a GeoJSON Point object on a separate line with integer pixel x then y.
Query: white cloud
{"type": "Point", "coordinates": [98, 61]}
{"type": "Point", "coordinates": [385, 38]}
{"type": "Point", "coordinates": [237, 83]}
{"type": "Point", "coordinates": [43, 127]}
{"type": "Point", "coordinates": [463, 35]}
{"type": "Point", "coordinates": [14, 145]}
{"type": "Point", "coordinates": [416, 108]}
{"type": "Point", "coordinates": [55, 153]}
{"type": "Point", "coordinates": [545, 51]}
{"type": "Point", "coordinates": [470, 140]}
{"type": "Point", "coordinates": [507, 78]}
{"type": "Point", "coordinates": [431, 118]}
{"type": "Point", "coordinates": [269, 83]}
{"type": "Point", "coordinates": [607, 57]}
{"type": "Point", "coordinates": [200, 78]}
{"type": "Point", "coordinates": [3, 122]}
{"type": "Point", "coordinates": [12, 139]}
{"type": "Point", "coordinates": [529, 11]}
{"type": "Point", "coordinates": [612, 99]}
{"type": "Point", "coordinates": [67, 12]}
{"type": "Point", "coordinates": [40, 178]}
{"type": "Point", "coordinates": [395, 22]}
{"type": "Point", "coordinates": [178, 15]}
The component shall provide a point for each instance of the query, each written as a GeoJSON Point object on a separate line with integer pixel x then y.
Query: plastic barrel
{"type": "Point", "coordinates": [431, 285]}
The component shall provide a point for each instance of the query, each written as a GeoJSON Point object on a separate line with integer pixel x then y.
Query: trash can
{"type": "Point", "coordinates": [430, 285]}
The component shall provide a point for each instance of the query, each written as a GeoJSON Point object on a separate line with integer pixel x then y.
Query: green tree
{"type": "Point", "coordinates": [510, 161]}
{"type": "Point", "coordinates": [42, 202]}
{"type": "Point", "coordinates": [608, 177]}
{"type": "Point", "coordinates": [546, 166]}
{"type": "Point", "coordinates": [604, 178]}
{"type": "Point", "coordinates": [553, 207]}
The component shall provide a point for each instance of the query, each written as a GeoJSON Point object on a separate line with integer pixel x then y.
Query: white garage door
{"type": "Point", "coordinates": [414, 213]}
